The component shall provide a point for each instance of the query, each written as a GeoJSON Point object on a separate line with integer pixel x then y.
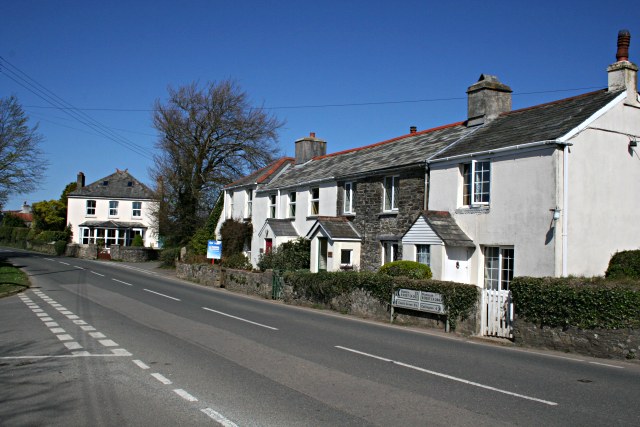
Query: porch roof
{"type": "Point", "coordinates": [443, 224]}
{"type": "Point", "coordinates": [279, 227]}
{"type": "Point", "coordinates": [336, 228]}
{"type": "Point", "coordinates": [112, 224]}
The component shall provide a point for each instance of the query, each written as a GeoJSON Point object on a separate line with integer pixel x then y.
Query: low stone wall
{"type": "Point", "coordinates": [81, 251]}
{"type": "Point", "coordinates": [357, 303]}
{"type": "Point", "coordinates": [133, 253]}
{"type": "Point", "coordinates": [604, 343]}
{"type": "Point", "coordinates": [45, 248]}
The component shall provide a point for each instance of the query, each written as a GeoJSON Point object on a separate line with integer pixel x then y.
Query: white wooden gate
{"type": "Point", "coordinates": [497, 313]}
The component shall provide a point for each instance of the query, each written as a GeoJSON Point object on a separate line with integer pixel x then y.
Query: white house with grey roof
{"type": "Point", "coordinates": [542, 191]}
{"type": "Point", "coordinates": [112, 210]}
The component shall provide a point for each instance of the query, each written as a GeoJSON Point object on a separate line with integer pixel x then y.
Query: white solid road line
{"type": "Point", "coordinates": [162, 295]}
{"type": "Point", "coordinates": [450, 377]}
{"type": "Point", "coordinates": [120, 281]}
{"type": "Point", "coordinates": [240, 318]}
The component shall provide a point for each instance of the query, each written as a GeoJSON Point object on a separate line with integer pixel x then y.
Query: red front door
{"type": "Point", "coordinates": [268, 244]}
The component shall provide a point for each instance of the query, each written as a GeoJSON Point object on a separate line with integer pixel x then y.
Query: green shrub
{"type": "Point", "coordinates": [289, 256]}
{"type": "Point", "coordinates": [49, 236]}
{"type": "Point", "coordinates": [60, 247]}
{"type": "Point", "coordinates": [577, 302]}
{"type": "Point", "coordinates": [11, 220]}
{"type": "Point", "coordinates": [403, 268]}
{"type": "Point", "coordinates": [624, 264]}
{"type": "Point", "coordinates": [235, 235]}
{"type": "Point", "coordinates": [137, 241]}
{"type": "Point", "coordinates": [168, 256]}
{"type": "Point", "coordinates": [237, 261]}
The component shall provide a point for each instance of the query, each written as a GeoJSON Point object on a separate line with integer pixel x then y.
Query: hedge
{"type": "Point", "coordinates": [624, 264]}
{"type": "Point", "coordinates": [459, 299]}
{"type": "Point", "coordinates": [404, 268]}
{"type": "Point", "coordinates": [584, 303]}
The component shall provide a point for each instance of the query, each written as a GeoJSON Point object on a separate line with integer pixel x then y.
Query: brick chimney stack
{"type": "Point", "coordinates": [80, 181]}
{"type": "Point", "coordinates": [623, 74]}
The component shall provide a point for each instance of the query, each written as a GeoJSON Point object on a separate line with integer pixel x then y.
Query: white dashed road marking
{"type": "Point", "coordinates": [162, 295]}
{"type": "Point", "coordinates": [216, 416]}
{"type": "Point", "coordinates": [240, 318]}
{"type": "Point", "coordinates": [140, 364]}
{"type": "Point", "coordinates": [161, 378]}
{"type": "Point", "coordinates": [186, 396]}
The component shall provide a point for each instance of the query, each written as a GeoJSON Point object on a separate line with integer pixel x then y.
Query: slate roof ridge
{"type": "Point", "coordinates": [388, 141]}
{"type": "Point", "coordinates": [260, 177]}
{"type": "Point", "coordinates": [555, 102]}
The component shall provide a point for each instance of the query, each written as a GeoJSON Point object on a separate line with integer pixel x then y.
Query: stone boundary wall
{"type": "Point", "coordinates": [82, 251]}
{"type": "Point", "coordinates": [45, 248]}
{"type": "Point", "coordinates": [604, 343]}
{"type": "Point", "coordinates": [357, 303]}
{"type": "Point", "coordinates": [133, 253]}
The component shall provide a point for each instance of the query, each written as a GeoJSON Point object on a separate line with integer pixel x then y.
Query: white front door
{"type": "Point", "coordinates": [456, 264]}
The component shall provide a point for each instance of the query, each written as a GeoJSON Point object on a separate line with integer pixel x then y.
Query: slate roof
{"type": "Point", "coordinates": [263, 175]}
{"type": "Point", "coordinates": [443, 224]}
{"type": "Point", "coordinates": [119, 185]}
{"type": "Point", "coordinates": [336, 228]}
{"type": "Point", "coordinates": [281, 227]}
{"type": "Point", "coordinates": [406, 150]}
{"type": "Point", "coordinates": [543, 122]}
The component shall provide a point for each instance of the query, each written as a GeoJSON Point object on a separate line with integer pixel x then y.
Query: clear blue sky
{"type": "Point", "coordinates": [115, 58]}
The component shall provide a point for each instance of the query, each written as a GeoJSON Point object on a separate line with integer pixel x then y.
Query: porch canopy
{"type": "Point", "coordinates": [111, 232]}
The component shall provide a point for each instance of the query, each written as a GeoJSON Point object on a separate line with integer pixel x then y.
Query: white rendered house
{"type": "Point", "coordinates": [111, 211]}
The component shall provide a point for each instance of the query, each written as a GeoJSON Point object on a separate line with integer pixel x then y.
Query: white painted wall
{"type": "Point", "coordinates": [76, 215]}
{"type": "Point", "coordinates": [523, 190]}
{"type": "Point", "coordinates": [604, 192]}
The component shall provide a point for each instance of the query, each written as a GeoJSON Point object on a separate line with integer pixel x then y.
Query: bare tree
{"type": "Point", "coordinates": [208, 137]}
{"type": "Point", "coordinates": [22, 164]}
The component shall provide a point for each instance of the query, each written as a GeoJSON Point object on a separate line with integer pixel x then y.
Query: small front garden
{"type": "Point", "coordinates": [12, 279]}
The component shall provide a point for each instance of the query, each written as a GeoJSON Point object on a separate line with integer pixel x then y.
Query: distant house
{"type": "Point", "coordinates": [24, 214]}
{"type": "Point", "coordinates": [543, 191]}
{"type": "Point", "coordinates": [112, 210]}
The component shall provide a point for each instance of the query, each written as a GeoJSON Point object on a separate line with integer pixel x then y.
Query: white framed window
{"type": "Point", "coordinates": [86, 236]}
{"type": "Point", "coordinates": [346, 257]}
{"type": "Point", "coordinates": [348, 197]}
{"type": "Point", "coordinates": [423, 254]}
{"type": "Point", "coordinates": [91, 207]}
{"type": "Point", "coordinates": [476, 188]}
{"type": "Point", "coordinates": [136, 209]}
{"type": "Point", "coordinates": [389, 252]}
{"type": "Point", "coordinates": [498, 267]}
{"type": "Point", "coordinates": [390, 193]}
{"type": "Point", "coordinates": [292, 204]}
{"type": "Point", "coordinates": [272, 206]}
{"type": "Point", "coordinates": [113, 208]}
{"type": "Point", "coordinates": [249, 210]}
{"type": "Point", "coordinates": [314, 201]}
{"type": "Point", "coordinates": [230, 213]}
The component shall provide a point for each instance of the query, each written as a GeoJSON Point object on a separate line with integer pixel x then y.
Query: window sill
{"type": "Point", "coordinates": [483, 209]}
{"type": "Point", "coordinates": [387, 214]}
{"type": "Point", "coordinates": [349, 215]}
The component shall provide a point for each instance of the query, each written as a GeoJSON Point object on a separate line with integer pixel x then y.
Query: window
{"type": "Point", "coordinates": [91, 207]}
{"type": "Point", "coordinates": [315, 201]}
{"type": "Point", "coordinates": [86, 236]}
{"type": "Point", "coordinates": [477, 184]}
{"type": "Point", "coordinates": [272, 206]}
{"type": "Point", "coordinates": [113, 208]}
{"type": "Point", "coordinates": [423, 254]}
{"type": "Point", "coordinates": [345, 257]}
{"type": "Point", "coordinates": [249, 204]}
{"type": "Point", "coordinates": [498, 267]}
{"type": "Point", "coordinates": [230, 213]}
{"type": "Point", "coordinates": [136, 209]}
{"type": "Point", "coordinates": [390, 193]}
{"type": "Point", "coordinates": [292, 204]}
{"type": "Point", "coordinates": [389, 252]}
{"type": "Point", "coordinates": [348, 197]}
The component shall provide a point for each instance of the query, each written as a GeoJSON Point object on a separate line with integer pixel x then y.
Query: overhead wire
{"type": "Point", "coordinates": [21, 78]}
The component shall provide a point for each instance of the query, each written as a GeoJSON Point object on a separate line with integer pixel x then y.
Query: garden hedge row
{"type": "Point", "coordinates": [584, 303]}
{"type": "Point", "coordinates": [459, 299]}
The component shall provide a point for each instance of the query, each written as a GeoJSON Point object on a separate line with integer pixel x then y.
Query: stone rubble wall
{"type": "Point", "coordinates": [604, 343]}
{"type": "Point", "coordinates": [133, 253]}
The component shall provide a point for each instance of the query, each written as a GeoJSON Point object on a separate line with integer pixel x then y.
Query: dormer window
{"type": "Point", "coordinates": [130, 184]}
{"type": "Point", "coordinates": [105, 183]}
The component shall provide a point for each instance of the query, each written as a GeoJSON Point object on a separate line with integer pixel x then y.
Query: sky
{"type": "Point", "coordinates": [354, 72]}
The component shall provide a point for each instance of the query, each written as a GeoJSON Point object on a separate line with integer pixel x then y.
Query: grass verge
{"type": "Point", "coordinates": [12, 279]}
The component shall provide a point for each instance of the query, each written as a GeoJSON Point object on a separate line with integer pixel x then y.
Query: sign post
{"type": "Point", "coordinates": [214, 250]}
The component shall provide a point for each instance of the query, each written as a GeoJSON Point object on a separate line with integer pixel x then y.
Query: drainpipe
{"type": "Point", "coordinates": [565, 209]}
{"type": "Point", "coordinates": [426, 188]}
